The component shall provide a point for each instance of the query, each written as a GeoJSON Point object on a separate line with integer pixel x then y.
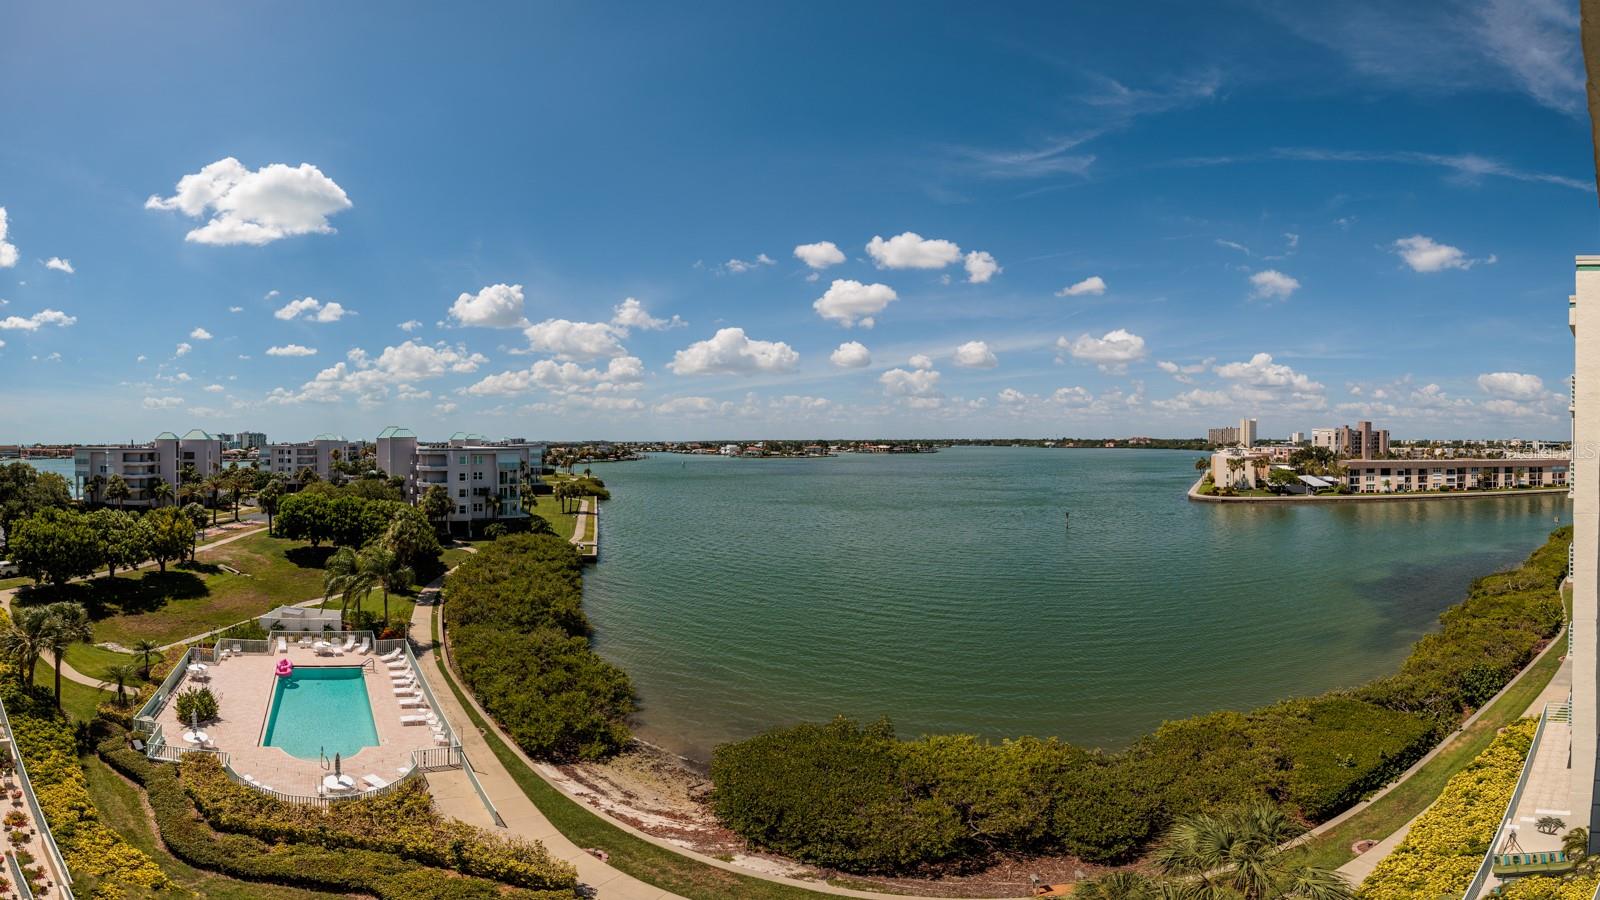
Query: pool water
{"type": "Point", "coordinates": [320, 710]}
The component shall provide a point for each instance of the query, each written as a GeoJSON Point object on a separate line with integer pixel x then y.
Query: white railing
{"type": "Point", "coordinates": [144, 721]}
{"type": "Point", "coordinates": [63, 875]}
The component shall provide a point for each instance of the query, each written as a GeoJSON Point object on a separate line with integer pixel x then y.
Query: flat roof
{"type": "Point", "coordinates": [1456, 461]}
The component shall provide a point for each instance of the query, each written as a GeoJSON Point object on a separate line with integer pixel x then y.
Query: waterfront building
{"type": "Point", "coordinates": [485, 480]}
{"type": "Point", "coordinates": [1326, 438]}
{"type": "Point", "coordinates": [1382, 476]}
{"type": "Point", "coordinates": [166, 458]}
{"type": "Point", "coordinates": [1222, 437]}
{"type": "Point", "coordinates": [252, 440]}
{"type": "Point", "coordinates": [1583, 316]}
{"type": "Point", "coordinates": [1361, 442]}
{"type": "Point", "coordinates": [318, 454]}
{"type": "Point", "coordinates": [1247, 432]}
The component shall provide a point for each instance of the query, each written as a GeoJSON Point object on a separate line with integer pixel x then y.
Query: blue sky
{"type": "Point", "coordinates": [640, 221]}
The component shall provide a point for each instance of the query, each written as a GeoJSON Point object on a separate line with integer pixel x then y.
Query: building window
{"type": "Point", "coordinates": [461, 476]}
{"type": "Point", "coordinates": [462, 510]}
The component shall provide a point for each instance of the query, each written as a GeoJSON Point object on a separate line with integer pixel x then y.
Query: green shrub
{"type": "Point", "coordinates": [196, 704]}
{"type": "Point", "coordinates": [402, 822]}
{"type": "Point", "coordinates": [519, 638]}
{"type": "Point", "coordinates": [345, 870]}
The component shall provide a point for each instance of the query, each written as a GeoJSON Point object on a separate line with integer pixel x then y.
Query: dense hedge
{"type": "Point", "coordinates": [1447, 843]}
{"type": "Point", "coordinates": [102, 863]}
{"type": "Point", "coordinates": [402, 822]}
{"type": "Point", "coordinates": [1549, 887]}
{"type": "Point", "coordinates": [339, 870]}
{"type": "Point", "coordinates": [519, 638]}
{"type": "Point", "coordinates": [857, 799]}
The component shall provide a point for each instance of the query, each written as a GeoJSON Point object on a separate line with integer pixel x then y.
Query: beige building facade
{"type": "Point", "coordinates": [164, 458]}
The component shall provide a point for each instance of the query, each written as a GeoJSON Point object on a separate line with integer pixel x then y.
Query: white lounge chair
{"type": "Point", "coordinates": [439, 738]}
{"type": "Point", "coordinates": [413, 719]}
{"type": "Point", "coordinates": [366, 646]}
{"type": "Point", "coordinates": [283, 645]}
{"type": "Point", "coordinates": [412, 702]}
{"type": "Point", "coordinates": [406, 679]}
{"type": "Point", "coordinates": [249, 778]}
{"type": "Point", "coordinates": [392, 655]}
{"type": "Point", "coordinates": [375, 781]}
{"type": "Point", "coordinates": [349, 643]}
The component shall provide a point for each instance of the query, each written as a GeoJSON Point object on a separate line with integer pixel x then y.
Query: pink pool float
{"type": "Point", "coordinates": [284, 668]}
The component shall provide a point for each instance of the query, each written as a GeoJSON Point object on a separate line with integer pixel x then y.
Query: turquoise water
{"type": "Point", "coordinates": [321, 709]}
{"type": "Point", "coordinates": [63, 466]}
{"type": "Point", "coordinates": [947, 592]}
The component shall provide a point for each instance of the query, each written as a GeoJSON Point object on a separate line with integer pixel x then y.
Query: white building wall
{"type": "Point", "coordinates": [1585, 319]}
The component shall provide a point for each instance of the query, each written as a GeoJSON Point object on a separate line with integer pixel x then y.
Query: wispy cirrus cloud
{"type": "Point", "coordinates": [1466, 167]}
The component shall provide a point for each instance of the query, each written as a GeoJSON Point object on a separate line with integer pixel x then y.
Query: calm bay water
{"type": "Point", "coordinates": [947, 592]}
{"type": "Point", "coordinates": [62, 466]}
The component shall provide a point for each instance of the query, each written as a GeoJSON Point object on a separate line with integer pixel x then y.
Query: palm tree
{"type": "Point", "coordinates": [390, 571]}
{"type": "Point", "coordinates": [347, 578]}
{"type": "Point", "coordinates": [121, 675]}
{"type": "Point", "coordinates": [149, 653]}
{"type": "Point", "coordinates": [24, 640]}
{"type": "Point", "coordinates": [306, 475]}
{"type": "Point", "coordinates": [94, 487]}
{"type": "Point", "coordinates": [214, 486]}
{"type": "Point", "coordinates": [160, 491]}
{"type": "Point", "coordinates": [117, 489]}
{"type": "Point", "coordinates": [1576, 844]}
{"type": "Point", "coordinates": [68, 624]}
{"type": "Point", "coordinates": [1124, 886]}
{"type": "Point", "coordinates": [268, 498]}
{"type": "Point", "coordinates": [1235, 855]}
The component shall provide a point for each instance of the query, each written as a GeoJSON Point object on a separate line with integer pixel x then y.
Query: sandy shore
{"type": "Point", "coordinates": [667, 796]}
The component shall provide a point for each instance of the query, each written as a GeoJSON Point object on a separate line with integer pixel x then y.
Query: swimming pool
{"type": "Point", "coordinates": [320, 709]}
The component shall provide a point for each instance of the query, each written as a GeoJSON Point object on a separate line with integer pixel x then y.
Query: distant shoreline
{"type": "Point", "coordinates": [1195, 495]}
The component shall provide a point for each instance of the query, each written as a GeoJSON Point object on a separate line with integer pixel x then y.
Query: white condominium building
{"type": "Point", "coordinates": [1247, 432]}
{"type": "Point", "coordinates": [318, 454]}
{"type": "Point", "coordinates": [485, 480]}
{"type": "Point", "coordinates": [141, 465]}
{"type": "Point", "coordinates": [1583, 316]}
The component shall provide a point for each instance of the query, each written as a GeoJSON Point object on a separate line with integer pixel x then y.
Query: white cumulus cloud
{"type": "Point", "coordinates": [820, 255]}
{"type": "Point", "coordinates": [731, 352]}
{"type": "Point", "coordinates": [200, 334]}
{"type": "Point", "coordinates": [183, 349]}
{"type": "Point", "coordinates": [851, 355]}
{"type": "Point", "coordinates": [917, 388]}
{"type": "Point", "coordinates": [255, 207]}
{"type": "Point", "coordinates": [60, 265]}
{"type": "Point", "coordinates": [574, 340]}
{"type": "Point", "coordinates": [38, 320]}
{"type": "Point", "coordinates": [981, 267]}
{"type": "Point", "coordinates": [1424, 254]}
{"type": "Point", "coordinates": [630, 314]}
{"type": "Point", "coordinates": [1270, 284]}
{"type": "Point", "coordinates": [8, 251]}
{"type": "Point", "coordinates": [410, 325]}
{"type": "Point", "coordinates": [496, 306]}
{"type": "Point", "coordinates": [291, 350]}
{"type": "Point", "coordinates": [620, 373]}
{"type": "Point", "coordinates": [1514, 385]}
{"type": "Point", "coordinates": [975, 355]}
{"type": "Point", "coordinates": [1094, 285]}
{"type": "Point", "coordinates": [1111, 352]}
{"type": "Point", "coordinates": [310, 309]}
{"type": "Point", "coordinates": [910, 250]}
{"type": "Point", "coordinates": [1261, 371]}
{"type": "Point", "coordinates": [849, 302]}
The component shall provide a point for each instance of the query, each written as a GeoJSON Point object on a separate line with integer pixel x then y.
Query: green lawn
{"type": "Point", "coordinates": [78, 700]}
{"type": "Point", "coordinates": [1399, 806]}
{"type": "Point", "coordinates": [400, 606]}
{"type": "Point", "coordinates": [120, 805]}
{"type": "Point", "coordinates": [190, 599]}
{"type": "Point", "coordinates": [643, 860]}
{"type": "Point", "coordinates": [548, 506]}
{"type": "Point", "coordinates": [93, 661]}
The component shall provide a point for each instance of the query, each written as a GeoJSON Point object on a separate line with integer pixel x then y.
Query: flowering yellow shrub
{"type": "Point", "coordinates": [1446, 845]}
{"type": "Point", "coordinates": [1539, 887]}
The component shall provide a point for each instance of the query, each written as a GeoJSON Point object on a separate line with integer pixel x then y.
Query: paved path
{"type": "Point", "coordinates": [71, 674]}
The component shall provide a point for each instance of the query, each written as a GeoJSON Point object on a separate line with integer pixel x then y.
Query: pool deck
{"type": "Point", "coordinates": [244, 686]}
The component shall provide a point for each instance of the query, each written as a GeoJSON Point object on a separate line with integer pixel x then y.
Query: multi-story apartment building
{"type": "Point", "coordinates": [252, 440]}
{"type": "Point", "coordinates": [1583, 316]}
{"type": "Point", "coordinates": [1362, 441]}
{"type": "Point", "coordinates": [319, 454]}
{"type": "Point", "coordinates": [1379, 476]}
{"type": "Point", "coordinates": [166, 459]}
{"type": "Point", "coordinates": [485, 480]}
{"type": "Point", "coordinates": [1326, 438]}
{"type": "Point", "coordinates": [1297, 437]}
{"type": "Point", "coordinates": [1247, 432]}
{"type": "Point", "coordinates": [1222, 437]}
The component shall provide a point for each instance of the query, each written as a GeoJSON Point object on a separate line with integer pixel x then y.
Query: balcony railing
{"type": "Point", "coordinates": [63, 876]}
